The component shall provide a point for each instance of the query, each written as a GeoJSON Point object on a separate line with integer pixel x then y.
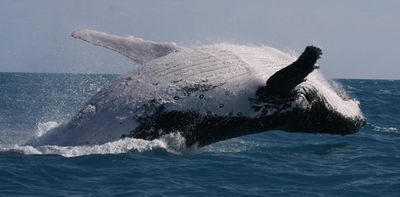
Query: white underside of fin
{"type": "Point", "coordinates": [137, 49]}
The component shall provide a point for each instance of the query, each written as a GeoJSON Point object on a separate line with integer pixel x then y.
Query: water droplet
{"type": "Point", "coordinates": [176, 98]}
{"type": "Point", "coordinates": [221, 105]}
{"type": "Point", "coordinates": [201, 96]}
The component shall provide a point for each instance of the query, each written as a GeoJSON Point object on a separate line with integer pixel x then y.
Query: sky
{"type": "Point", "coordinates": [359, 38]}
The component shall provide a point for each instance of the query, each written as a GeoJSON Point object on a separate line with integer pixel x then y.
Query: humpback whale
{"type": "Point", "coordinates": [207, 94]}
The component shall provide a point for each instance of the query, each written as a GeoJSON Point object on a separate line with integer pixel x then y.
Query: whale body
{"type": "Point", "coordinates": [207, 94]}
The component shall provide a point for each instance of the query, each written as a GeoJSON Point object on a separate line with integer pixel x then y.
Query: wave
{"type": "Point", "coordinates": [383, 129]}
{"type": "Point", "coordinates": [234, 145]}
{"type": "Point", "coordinates": [172, 143]}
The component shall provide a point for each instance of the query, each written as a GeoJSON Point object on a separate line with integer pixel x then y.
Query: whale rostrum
{"type": "Point", "coordinates": [208, 94]}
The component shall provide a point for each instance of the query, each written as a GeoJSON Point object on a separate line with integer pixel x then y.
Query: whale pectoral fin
{"type": "Point", "coordinates": [286, 79]}
{"type": "Point", "coordinates": [137, 49]}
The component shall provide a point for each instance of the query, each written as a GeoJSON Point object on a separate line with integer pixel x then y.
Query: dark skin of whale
{"type": "Point", "coordinates": [201, 130]}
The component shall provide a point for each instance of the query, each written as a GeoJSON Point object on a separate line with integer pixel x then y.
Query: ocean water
{"type": "Point", "coordinates": [272, 163]}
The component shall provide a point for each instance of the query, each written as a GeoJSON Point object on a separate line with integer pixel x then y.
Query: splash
{"type": "Point", "coordinates": [172, 143]}
{"type": "Point", "coordinates": [44, 127]}
{"type": "Point", "coordinates": [339, 89]}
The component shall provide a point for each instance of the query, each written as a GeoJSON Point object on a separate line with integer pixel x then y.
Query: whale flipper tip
{"type": "Point", "coordinates": [312, 52]}
{"type": "Point", "coordinates": [286, 79]}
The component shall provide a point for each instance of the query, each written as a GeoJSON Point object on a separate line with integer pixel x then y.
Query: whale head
{"type": "Point", "coordinates": [306, 102]}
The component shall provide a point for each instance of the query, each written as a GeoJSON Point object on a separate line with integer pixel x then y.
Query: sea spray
{"type": "Point", "coordinates": [173, 143]}
{"type": "Point", "coordinates": [44, 127]}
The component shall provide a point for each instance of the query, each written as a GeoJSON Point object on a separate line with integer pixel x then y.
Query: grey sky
{"type": "Point", "coordinates": [360, 38]}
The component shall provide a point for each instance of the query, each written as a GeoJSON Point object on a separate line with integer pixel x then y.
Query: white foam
{"type": "Point", "coordinates": [235, 145]}
{"type": "Point", "coordinates": [173, 143]}
{"type": "Point", "coordinates": [384, 129]}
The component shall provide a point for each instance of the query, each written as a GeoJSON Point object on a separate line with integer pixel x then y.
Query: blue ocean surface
{"type": "Point", "coordinates": [273, 163]}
